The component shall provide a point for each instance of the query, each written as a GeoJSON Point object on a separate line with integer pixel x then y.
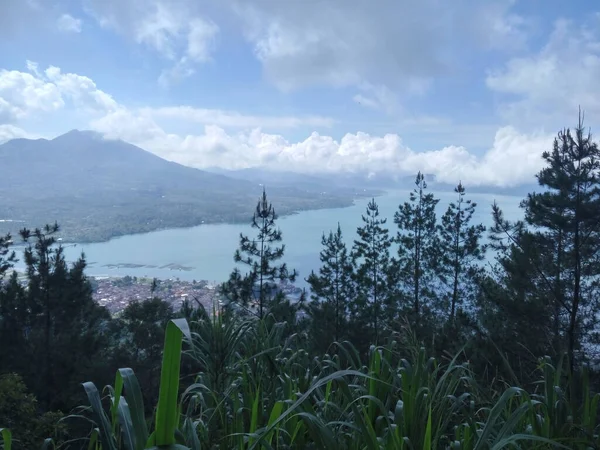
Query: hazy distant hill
{"type": "Point", "coordinates": [359, 182]}
{"type": "Point", "coordinates": [97, 189]}
{"type": "Point", "coordinates": [344, 185]}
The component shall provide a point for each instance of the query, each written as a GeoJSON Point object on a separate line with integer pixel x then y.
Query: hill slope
{"type": "Point", "coordinates": [97, 189]}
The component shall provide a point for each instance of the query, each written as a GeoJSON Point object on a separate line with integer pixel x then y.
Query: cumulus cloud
{"type": "Point", "coordinates": [23, 94]}
{"type": "Point", "coordinates": [69, 24]}
{"type": "Point", "coordinates": [81, 90]}
{"type": "Point", "coordinates": [355, 152]}
{"type": "Point", "coordinates": [177, 30]}
{"type": "Point", "coordinates": [38, 92]}
{"type": "Point", "coordinates": [551, 84]}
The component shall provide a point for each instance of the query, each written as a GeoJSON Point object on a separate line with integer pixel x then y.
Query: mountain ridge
{"type": "Point", "coordinates": [98, 189]}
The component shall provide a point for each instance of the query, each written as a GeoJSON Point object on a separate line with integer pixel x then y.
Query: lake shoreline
{"type": "Point", "coordinates": [206, 252]}
{"type": "Point", "coordinates": [341, 205]}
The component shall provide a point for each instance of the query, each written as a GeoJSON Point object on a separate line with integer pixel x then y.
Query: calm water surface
{"type": "Point", "coordinates": [207, 251]}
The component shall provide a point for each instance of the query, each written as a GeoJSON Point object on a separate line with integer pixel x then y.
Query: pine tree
{"type": "Point", "coordinates": [560, 239]}
{"type": "Point", "coordinates": [258, 289]}
{"type": "Point", "coordinates": [371, 260]}
{"type": "Point", "coordinates": [418, 250]}
{"type": "Point", "coordinates": [567, 214]}
{"type": "Point", "coordinates": [63, 326]}
{"type": "Point", "coordinates": [8, 256]}
{"type": "Point", "coordinates": [331, 290]}
{"type": "Point", "coordinates": [461, 249]}
{"type": "Point", "coordinates": [513, 305]}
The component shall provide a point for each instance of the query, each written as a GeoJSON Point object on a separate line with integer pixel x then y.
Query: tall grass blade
{"type": "Point", "coordinates": [427, 439]}
{"type": "Point", "coordinates": [6, 438]}
{"type": "Point", "coordinates": [93, 443]}
{"type": "Point", "coordinates": [106, 436]}
{"type": "Point", "coordinates": [166, 410]}
{"type": "Point", "coordinates": [133, 394]}
{"type": "Point", "coordinates": [127, 430]}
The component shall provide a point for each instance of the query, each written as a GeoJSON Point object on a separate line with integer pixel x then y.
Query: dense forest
{"type": "Point", "coordinates": [410, 338]}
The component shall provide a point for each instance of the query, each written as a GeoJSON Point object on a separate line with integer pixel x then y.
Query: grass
{"type": "Point", "coordinates": [257, 388]}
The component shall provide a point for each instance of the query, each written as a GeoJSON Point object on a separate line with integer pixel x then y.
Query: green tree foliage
{"type": "Point", "coordinates": [252, 382]}
{"type": "Point", "coordinates": [332, 289]}
{"type": "Point", "coordinates": [258, 290]}
{"type": "Point", "coordinates": [371, 260]}
{"type": "Point", "coordinates": [19, 411]}
{"type": "Point", "coordinates": [418, 251]}
{"type": "Point", "coordinates": [567, 217]}
{"type": "Point", "coordinates": [8, 257]}
{"type": "Point", "coordinates": [513, 308]}
{"type": "Point", "coordinates": [551, 261]}
{"type": "Point", "coordinates": [141, 335]}
{"type": "Point", "coordinates": [461, 253]}
{"type": "Point", "coordinates": [55, 329]}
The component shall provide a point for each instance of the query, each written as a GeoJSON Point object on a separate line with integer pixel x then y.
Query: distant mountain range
{"type": "Point", "coordinates": [352, 181]}
{"type": "Point", "coordinates": [97, 189]}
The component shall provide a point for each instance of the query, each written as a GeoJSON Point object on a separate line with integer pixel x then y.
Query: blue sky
{"type": "Point", "coordinates": [462, 89]}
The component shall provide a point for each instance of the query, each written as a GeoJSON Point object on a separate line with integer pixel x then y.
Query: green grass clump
{"type": "Point", "coordinates": [258, 388]}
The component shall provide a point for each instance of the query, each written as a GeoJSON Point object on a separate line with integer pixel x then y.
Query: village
{"type": "Point", "coordinates": [115, 293]}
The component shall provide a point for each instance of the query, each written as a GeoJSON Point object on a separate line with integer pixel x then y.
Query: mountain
{"type": "Point", "coordinates": [365, 183]}
{"type": "Point", "coordinates": [97, 189]}
{"type": "Point", "coordinates": [324, 183]}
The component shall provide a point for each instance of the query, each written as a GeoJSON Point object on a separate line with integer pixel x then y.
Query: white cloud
{"type": "Point", "coordinates": [201, 39]}
{"type": "Point", "coordinates": [359, 152]}
{"type": "Point", "coordinates": [367, 102]}
{"type": "Point", "coordinates": [550, 85]}
{"type": "Point", "coordinates": [377, 97]}
{"type": "Point", "coordinates": [68, 23]}
{"type": "Point", "coordinates": [23, 94]}
{"type": "Point", "coordinates": [498, 28]}
{"type": "Point", "coordinates": [234, 119]}
{"type": "Point", "coordinates": [389, 42]}
{"type": "Point", "coordinates": [177, 30]}
{"type": "Point", "coordinates": [8, 132]}
{"type": "Point", "coordinates": [182, 69]}
{"type": "Point", "coordinates": [81, 90]}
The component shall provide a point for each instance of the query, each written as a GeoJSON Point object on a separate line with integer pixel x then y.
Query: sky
{"type": "Point", "coordinates": [466, 90]}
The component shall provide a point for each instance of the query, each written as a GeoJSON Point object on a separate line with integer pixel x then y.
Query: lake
{"type": "Point", "coordinates": [206, 252]}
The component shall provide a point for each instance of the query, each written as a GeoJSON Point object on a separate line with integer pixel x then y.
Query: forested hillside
{"type": "Point", "coordinates": [98, 189]}
{"type": "Point", "coordinates": [407, 339]}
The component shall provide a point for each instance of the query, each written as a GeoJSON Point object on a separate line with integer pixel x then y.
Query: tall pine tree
{"type": "Point", "coordinates": [258, 289]}
{"type": "Point", "coordinates": [418, 250]}
{"type": "Point", "coordinates": [371, 259]}
{"type": "Point", "coordinates": [562, 235]}
{"type": "Point", "coordinates": [567, 215]}
{"type": "Point", "coordinates": [64, 329]}
{"type": "Point", "coordinates": [332, 290]}
{"type": "Point", "coordinates": [461, 251]}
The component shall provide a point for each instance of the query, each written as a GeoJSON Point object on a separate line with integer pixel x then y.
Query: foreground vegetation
{"type": "Point", "coordinates": [407, 341]}
{"type": "Point", "coordinates": [258, 389]}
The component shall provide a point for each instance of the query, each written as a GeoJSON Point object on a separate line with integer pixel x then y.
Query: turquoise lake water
{"type": "Point", "coordinates": [207, 250]}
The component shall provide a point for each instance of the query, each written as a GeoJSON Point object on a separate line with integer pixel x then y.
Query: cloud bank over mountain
{"type": "Point", "coordinates": [313, 87]}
